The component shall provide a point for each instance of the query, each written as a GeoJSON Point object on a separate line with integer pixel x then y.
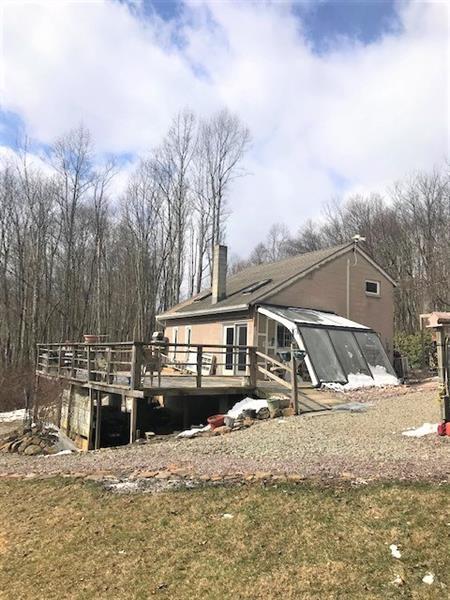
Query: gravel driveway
{"type": "Point", "coordinates": [366, 445]}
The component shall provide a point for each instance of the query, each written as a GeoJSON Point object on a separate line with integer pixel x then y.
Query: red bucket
{"type": "Point", "coordinates": [216, 421]}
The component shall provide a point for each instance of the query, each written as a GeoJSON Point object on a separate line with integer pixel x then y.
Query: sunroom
{"type": "Point", "coordinates": [329, 348]}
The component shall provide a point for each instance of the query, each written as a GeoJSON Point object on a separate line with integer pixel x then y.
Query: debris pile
{"type": "Point", "coordinates": [38, 439]}
{"type": "Point", "coordinates": [243, 415]}
{"type": "Point", "coordinates": [31, 442]}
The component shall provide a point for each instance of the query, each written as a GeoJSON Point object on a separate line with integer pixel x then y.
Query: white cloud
{"type": "Point", "coordinates": [363, 114]}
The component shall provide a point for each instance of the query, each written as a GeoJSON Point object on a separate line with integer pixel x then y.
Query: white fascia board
{"type": "Point", "coordinates": [292, 326]}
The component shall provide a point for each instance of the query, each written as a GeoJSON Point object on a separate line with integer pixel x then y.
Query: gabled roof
{"type": "Point", "coordinates": [261, 281]}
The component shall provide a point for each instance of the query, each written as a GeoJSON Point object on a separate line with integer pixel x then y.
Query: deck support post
{"type": "Point", "coordinates": [294, 383]}
{"type": "Point", "coordinates": [91, 419]}
{"type": "Point", "coordinates": [199, 366]}
{"type": "Point", "coordinates": [98, 420]}
{"type": "Point", "coordinates": [133, 419]}
{"type": "Point", "coordinates": [186, 413]}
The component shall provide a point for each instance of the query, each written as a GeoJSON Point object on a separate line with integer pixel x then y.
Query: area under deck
{"type": "Point", "coordinates": [131, 377]}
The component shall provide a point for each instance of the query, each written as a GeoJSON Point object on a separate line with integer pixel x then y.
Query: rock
{"type": "Point", "coordinates": [288, 412]}
{"type": "Point", "coordinates": [275, 412]}
{"type": "Point", "coordinates": [222, 430]}
{"type": "Point", "coordinates": [229, 421]}
{"type": "Point", "coordinates": [295, 478]}
{"type": "Point", "coordinates": [32, 450]}
{"type": "Point", "coordinates": [163, 475]}
{"type": "Point", "coordinates": [147, 474]}
{"type": "Point", "coordinates": [263, 413]}
{"type": "Point", "coordinates": [15, 445]}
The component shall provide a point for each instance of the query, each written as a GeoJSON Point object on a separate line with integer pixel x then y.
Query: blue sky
{"type": "Point", "coordinates": [340, 97]}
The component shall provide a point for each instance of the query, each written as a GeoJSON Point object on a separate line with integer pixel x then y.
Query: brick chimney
{"type": "Point", "coordinates": [219, 274]}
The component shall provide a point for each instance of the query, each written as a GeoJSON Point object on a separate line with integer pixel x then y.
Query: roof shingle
{"type": "Point", "coordinates": [277, 272]}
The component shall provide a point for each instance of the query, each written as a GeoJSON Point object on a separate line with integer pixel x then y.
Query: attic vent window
{"type": "Point", "coordinates": [373, 288]}
{"type": "Point", "coordinates": [255, 286]}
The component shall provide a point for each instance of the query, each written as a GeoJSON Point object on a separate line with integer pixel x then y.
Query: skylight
{"type": "Point", "coordinates": [255, 286]}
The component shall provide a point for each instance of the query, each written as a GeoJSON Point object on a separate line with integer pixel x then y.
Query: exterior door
{"type": "Point", "coordinates": [228, 367]}
{"type": "Point", "coordinates": [235, 360]}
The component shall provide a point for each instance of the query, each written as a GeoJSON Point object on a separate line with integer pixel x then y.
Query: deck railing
{"type": "Point", "coordinates": [136, 365]}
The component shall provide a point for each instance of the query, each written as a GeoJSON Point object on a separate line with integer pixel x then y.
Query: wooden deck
{"type": "Point", "coordinates": [138, 370]}
{"type": "Point", "coordinates": [128, 377]}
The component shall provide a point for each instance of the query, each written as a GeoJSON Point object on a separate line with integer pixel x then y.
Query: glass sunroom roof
{"type": "Point", "coordinates": [306, 316]}
{"type": "Point", "coordinates": [337, 350]}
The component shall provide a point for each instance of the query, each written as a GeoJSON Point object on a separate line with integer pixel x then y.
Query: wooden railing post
{"type": "Point", "coordinates": [253, 366]}
{"type": "Point", "coordinates": [136, 366]}
{"type": "Point", "coordinates": [108, 366]}
{"type": "Point", "coordinates": [199, 365]}
{"type": "Point", "coordinates": [294, 383]}
{"type": "Point", "coordinates": [88, 362]}
{"type": "Point", "coordinates": [73, 362]}
{"type": "Point", "coordinates": [59, 360]}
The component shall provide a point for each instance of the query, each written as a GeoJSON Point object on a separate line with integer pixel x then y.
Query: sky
{"type": "Point", "coordinates": [340, 97]}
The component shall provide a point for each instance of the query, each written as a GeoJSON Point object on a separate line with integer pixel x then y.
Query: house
{"type": "Point", "coordinates": [336, 305]}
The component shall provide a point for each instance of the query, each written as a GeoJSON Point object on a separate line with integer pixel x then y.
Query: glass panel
{"type": "Point", "coordinates": [242, 341]}
{"type": "Point", "coordinates": [374, 353]}
{"type": "Point", "coordinates": [284, 336]}
{"type": "Point", "coordinates": [323, 357]}
{"type": "Point", "coordinates": [229, 341]}
{"type": "Point", "coordinates": [349, 354]}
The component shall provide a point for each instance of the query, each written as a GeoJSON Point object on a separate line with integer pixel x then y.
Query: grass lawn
{"type": "Point", "coordinates": [62, 538]}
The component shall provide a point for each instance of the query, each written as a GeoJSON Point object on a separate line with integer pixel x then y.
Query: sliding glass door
{"type": "Point", "coordinates": [235, 359]}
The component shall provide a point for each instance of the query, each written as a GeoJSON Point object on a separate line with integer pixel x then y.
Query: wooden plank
{"type": "Point", "coordinates": [267, 358]}
{"type": "Point", "coordinates": [274, 377]}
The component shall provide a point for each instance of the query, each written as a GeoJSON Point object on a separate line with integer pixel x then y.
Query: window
{"type": "Point", "coordinates": [188, 335]}
{"type": "Point", "coordinates": [372, 288]}
{"type": "Point", "coordinates": [348, 352]}
{"type": "Point", "coordinates": [323, 357]}
{"type": "Point", "coordinates": [374, 353]}
{"type": "Point", "coordinates": [284, 336]}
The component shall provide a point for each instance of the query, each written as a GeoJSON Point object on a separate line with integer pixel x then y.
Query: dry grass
{"type": "Point", "coordinates": [67, 539]}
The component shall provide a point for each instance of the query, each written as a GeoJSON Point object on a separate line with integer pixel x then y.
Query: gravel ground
{"type": "Point", "coordinates": [365, 446]}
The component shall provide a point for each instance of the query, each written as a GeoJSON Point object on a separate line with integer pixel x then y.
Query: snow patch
{"type": "Point", "coordinates": [246, 404]}
{"type": "Point", "coordinates": [189, 433]}
{"type": "Point", "coordinates": [13, 415]}
{"type": "Point", "coordinates": [425, 429]}
{"type": "Point", "coordinates": [357, 381]}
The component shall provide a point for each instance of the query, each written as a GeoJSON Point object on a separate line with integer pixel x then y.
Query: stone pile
{"type": "Point", "coordinates": [30, 442]}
